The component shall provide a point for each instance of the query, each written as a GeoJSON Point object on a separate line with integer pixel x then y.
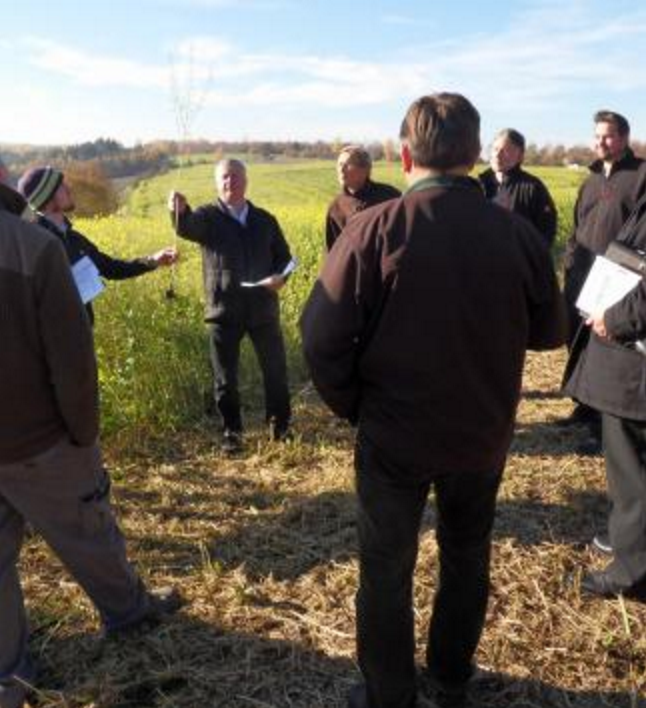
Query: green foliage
{"type": "Point", "coordinates": [153, 351]}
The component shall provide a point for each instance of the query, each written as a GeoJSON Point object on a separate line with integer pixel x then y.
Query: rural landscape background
{"type": "Point", "coordinates": [263, 546]}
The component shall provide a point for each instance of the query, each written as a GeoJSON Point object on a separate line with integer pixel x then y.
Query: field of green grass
{"type": "Point", "coordinates": [263, 546]}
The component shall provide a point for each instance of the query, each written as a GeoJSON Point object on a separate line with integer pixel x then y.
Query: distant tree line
{"type": "Point", "coordinates": [96, 169]}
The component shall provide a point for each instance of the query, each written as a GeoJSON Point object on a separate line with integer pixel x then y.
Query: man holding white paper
{"type": "Point", "coordinates": [51, 198]}
{"type": "Point", "coordinates": [609, 373]}
{"type": "Point", "coordinates": [246, 261]}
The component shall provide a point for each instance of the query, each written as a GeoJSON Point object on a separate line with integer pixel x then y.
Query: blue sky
{"type": "Point", "coordinates": [313, 69]}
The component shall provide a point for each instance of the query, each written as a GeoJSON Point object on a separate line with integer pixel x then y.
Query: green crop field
{"type": "Point", "coordinates": [152, 350]}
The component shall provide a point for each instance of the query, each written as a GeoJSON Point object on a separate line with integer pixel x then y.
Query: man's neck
{"type": "Point", "coordinates": [417, 174]}
{"type": "Point", "coordinates": [56, 217]}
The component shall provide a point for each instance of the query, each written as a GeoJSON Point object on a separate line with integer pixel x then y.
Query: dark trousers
{"type": "Point", "coordinates": [625, 454]}
{"type": "Point", "coordinates": [390, 508]}
{"type": "Point", "coordinates": [267, 340]}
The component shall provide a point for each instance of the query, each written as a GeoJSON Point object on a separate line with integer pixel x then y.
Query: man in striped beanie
{"type": "Point", "coordinates": [50, 196]}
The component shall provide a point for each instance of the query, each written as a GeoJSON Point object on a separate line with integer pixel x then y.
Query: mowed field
{"type": "Point", "coordinates": [263, 547]}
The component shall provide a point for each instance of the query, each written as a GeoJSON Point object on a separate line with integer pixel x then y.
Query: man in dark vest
{"type": "Point", "coordinates": [417, 329]}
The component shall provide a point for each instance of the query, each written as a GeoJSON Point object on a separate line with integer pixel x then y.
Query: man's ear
{"type": "Point", "coordinates": [407, 158]}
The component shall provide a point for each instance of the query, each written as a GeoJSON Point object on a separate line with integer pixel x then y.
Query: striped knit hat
{"type": "Point", "coordinates": [39, 185]}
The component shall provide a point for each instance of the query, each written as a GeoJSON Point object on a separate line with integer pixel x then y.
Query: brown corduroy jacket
{"type": "Point", "coordinates": [418, 325]}
{"type": "Point", "coordinates": [48, 380]}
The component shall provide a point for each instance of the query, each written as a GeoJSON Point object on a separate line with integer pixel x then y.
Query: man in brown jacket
{"type": "Point", "coordinates": [51, 473]}
{"type": "Point", "coordinates": [417, 328]}
{"type": "Point", "coordinates": [358, 191]}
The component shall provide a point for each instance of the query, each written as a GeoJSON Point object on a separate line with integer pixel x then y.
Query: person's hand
{"type": "Point", "coordinates": [165, 257]}
{"type": "Point", "coordinates": [596, 321]}
{"type": "Point", "coordinates": [274, 282]}
{"type": "Point", "coordinates": [177, 203]}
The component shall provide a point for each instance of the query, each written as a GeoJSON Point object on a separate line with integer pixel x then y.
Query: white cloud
{"type": "Point", "coordinates": [548, 53]}
{"type": "Point", "coordinates": [94, 70]}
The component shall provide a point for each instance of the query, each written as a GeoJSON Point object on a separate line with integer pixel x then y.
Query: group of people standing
{"type": "Point", "coordinates": [415, 332]}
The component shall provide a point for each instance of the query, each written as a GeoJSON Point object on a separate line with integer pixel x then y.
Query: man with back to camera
{"type": "Point", "coordinates": [358, 191]}
{"type": "Point", "coordinates": [240, 243]}
{"type": "Point", "coordinates": [51, 474]}
{"type": "Point", "coordinates": [616, 182]}
{"type": "Point", "coordinates": [50, 196]}
{"type": "Point", "coordinates": [508, 185]}
{"type": "Point", "coordinates": [417, 329]}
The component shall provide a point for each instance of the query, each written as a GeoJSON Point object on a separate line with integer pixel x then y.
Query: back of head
{"type": "Point", "coordinates": [442, 131]}
{"type": "Point", "coordinates": [39, 184]}
{"type": "Point", "coordinates": [621, 124]}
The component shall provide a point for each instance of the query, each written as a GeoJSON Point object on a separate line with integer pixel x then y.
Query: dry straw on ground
{"type": "Point", "coordinates": [264, 550]}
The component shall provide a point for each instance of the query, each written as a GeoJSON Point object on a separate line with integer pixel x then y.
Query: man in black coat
{"type": "Point", "coordinates": [417, 329]}
{"type": "Point", "coordinates": [508, 185]}
{"type": "Point", "coordinates": [608, 372]}
{"type": "Point", "coordinates": [244, 256]}
{"type": "Point", "coordinates": [616, 182]}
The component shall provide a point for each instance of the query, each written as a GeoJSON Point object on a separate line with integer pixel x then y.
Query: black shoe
{"type": "Point", "coordinates": [581, 415]}
{"type": "Point", "coordinates": [162, 603]}
{"type": "Point", "coordinates": [601, 544]}
{"type": "Point", "coordinates": [358, 696]}
{"type": "Point", "coordinates": [231, 442]}
{"type": "Point", "coordinates": [600, 584]}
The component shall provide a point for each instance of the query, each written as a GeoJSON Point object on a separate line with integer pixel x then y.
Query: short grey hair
{"type": "Point", "coordinates": [229, 162]}
{"type": "Point", "coordinates": [357, 155]}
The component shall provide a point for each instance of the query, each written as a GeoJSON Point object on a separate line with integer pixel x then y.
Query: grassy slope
{"type": "Point", "coordinates": [263, 547]}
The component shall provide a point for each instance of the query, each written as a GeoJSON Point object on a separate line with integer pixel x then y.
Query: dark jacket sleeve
{"type": "Point", "coordinates": [280, 252]}
{"type": "Point", "coordinates": [332, 229]}
{"type": "Point", "coordinates": [545, 214]}
{"type": "Point", "coordinates": [333, 325]}
{"type": "Point", "coordinates": [68, 345]}
{"type": "Point", "coordinates": [192, 225]}
{"type": "Point", "coordinates": [113, 268]}
{"type": "Point", "coordinates": [626, 320]}
{"type": "Point", "coordinates": [547, 319]}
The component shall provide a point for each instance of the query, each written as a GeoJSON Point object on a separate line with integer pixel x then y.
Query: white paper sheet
{"type": "Point", "coordinates": [87, 279]}
{"type": "Point", "coordinates": [606, 284]}
{"type": "Point", "coordinates": [289, 268]}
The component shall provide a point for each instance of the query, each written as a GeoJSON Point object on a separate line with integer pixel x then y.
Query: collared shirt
{"type": "Point", "coordinates": [241, 214]}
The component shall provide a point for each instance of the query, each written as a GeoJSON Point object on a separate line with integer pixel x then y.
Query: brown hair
{"type": "Point", "coordinates": [442, 131]}
{"type": "Point", "coordinates": [616, 119]}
